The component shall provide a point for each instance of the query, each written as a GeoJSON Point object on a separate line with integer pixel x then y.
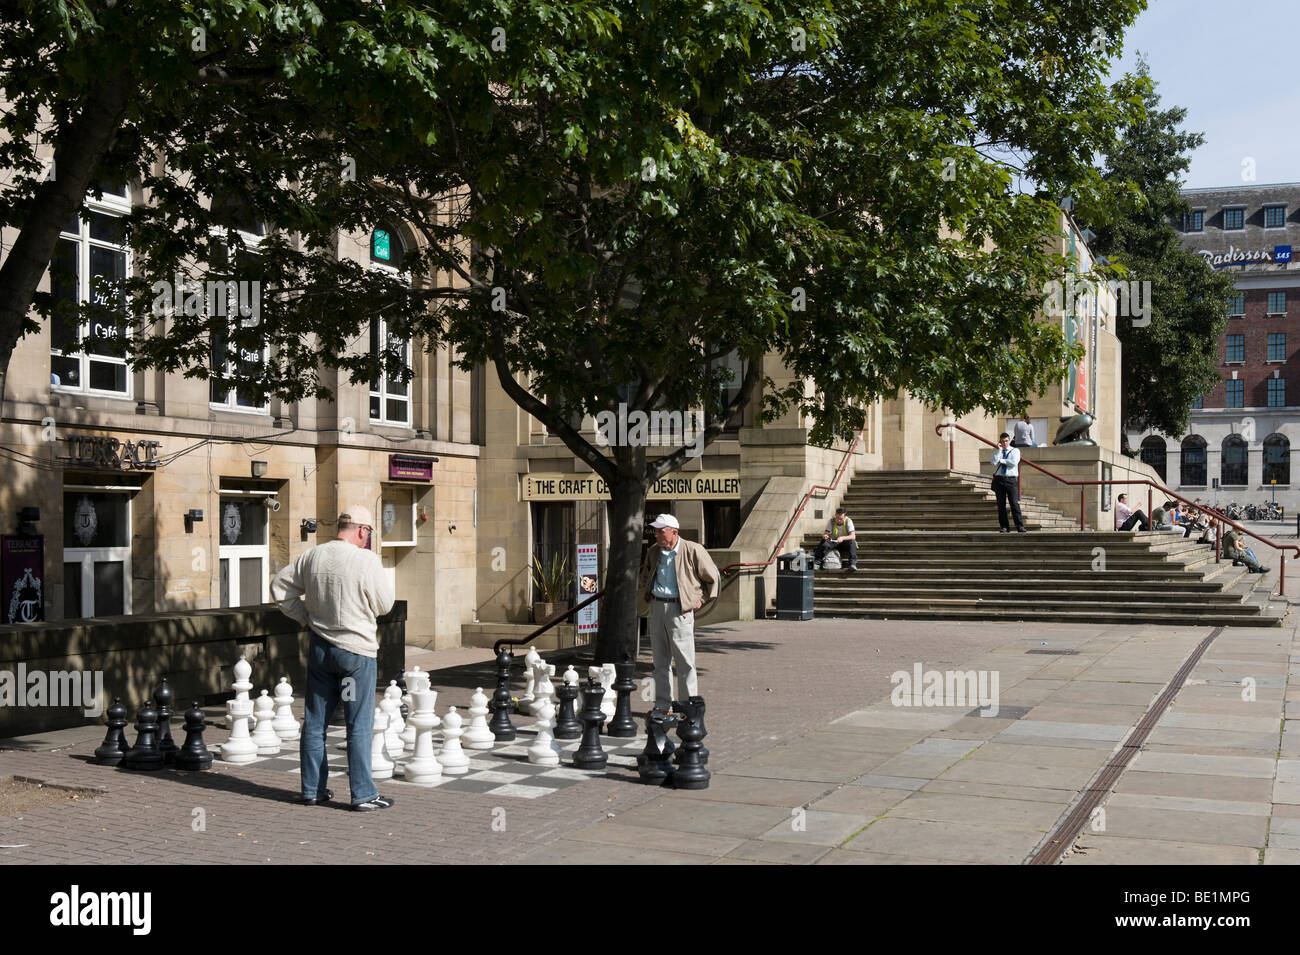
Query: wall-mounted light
{"type": "Point", "coordinates": [259, 469]}
{"type": "Point", "coordinates": [309, 525]}
{"type": "Point", "coordinates": [27, 518]}
{"type": "Point", "coordinates": [192, 517]}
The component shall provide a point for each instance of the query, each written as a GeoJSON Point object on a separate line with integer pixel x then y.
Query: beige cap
{"type": "Point", "coordinates": [356, 514]}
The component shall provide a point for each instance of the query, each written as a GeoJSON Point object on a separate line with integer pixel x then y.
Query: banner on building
{"type": "Point", "coordinates": [693, 486]}
{"type": "Point", "coordinates": [588, 575]}
{"type": "Point", "coordinates": [22, 577]}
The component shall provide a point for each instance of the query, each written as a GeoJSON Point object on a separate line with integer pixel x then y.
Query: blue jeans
{"type": "Point", "coordinates": [334, 674]}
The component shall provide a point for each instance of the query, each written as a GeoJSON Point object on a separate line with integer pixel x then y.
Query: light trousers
{"type": "Point", "coordinates": [672, 638]}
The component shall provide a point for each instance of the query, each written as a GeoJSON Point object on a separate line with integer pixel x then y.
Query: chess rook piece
{"type": "Point", "coordinates": [590, 755]}
{"type": "Point", "coordinates": [545, 751]}
{"type": "Point", "coordinates": [654, 763]}
{"type": "Point", "coordinates": [501, 727]}
{"type": "Point", "coordinates": [285, 726]}
{"type": "Point", "coordinates": [145, 754]}
{"type": "Point", "coordinates": [690, 773]}
{"type": "Point", "coordinates": [381, 767]}
{"type": "Point", "coordinates": [423, 768]}
{"type": "Point", "coordinates": [453, 758]}
{"type": "Point", "coordinates": [162, 698]}
{"type": "Point", "coordinates": [622, 725]}
{"type": "Point", "coordinates": [114, 748]}
{"type": "Point", "coordinates": [477, 735]}
{"type": "Point", "coordinates": [567, 724]}
{"type": "Point", "coordinates": [264, 737]}
{"type": "Point", "coordinates": [194, 754]}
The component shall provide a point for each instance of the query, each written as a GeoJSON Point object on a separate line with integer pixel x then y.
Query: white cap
{"type": "Point", "coordinates": [356, 514]}
{"type": "Point", "coordinates": [666, 520]}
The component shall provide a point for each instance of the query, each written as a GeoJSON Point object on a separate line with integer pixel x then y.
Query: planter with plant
{"type": "Point", "coordinates": [552, 585]}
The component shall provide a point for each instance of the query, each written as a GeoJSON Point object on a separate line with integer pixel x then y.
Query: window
{"type": "Point", "coordinates": [238, 352]}
{"type": "Point", "coordinates": [1236, 350]}
{"type": "Point", "coordinates": [1277, 346]}
{"type": "Point", "coordinates": [244, 552]}
{"type": "Point", "coordinates": [1191, 467]}
{"type": "Point", "coordinates": [1234, 218]}
{"type": "Point", "coordinates": [728, 390]}
{"type": "Point", "coordinates": [721, 523]}
{"type": "Point", "coordinates": [1236, 393]}
{"type": "Point", "coordinates": [1277, 459]}
{"type": "Point", "coordinates": [397, 517]}
{"type": "Point", "coordinates": [96, 554]}
{"type": "Point", "coordinates": [228, 360]}
{"type": "Point", "coordinates": [1237, 304]}
{"type": "Point", "coordinates": [1274, 217]}
{"type": "Point", "coordinates": [1154, 454]}
{"type": "Point", "coordinates": [1233, 469]}
{"type": "Point", "coordinates": [1277, 392]}
{"type": "Point", "coordinates": [390, 398]}
{"type": "Point", "coordinates": [1277, 303]}
{"type": "Point", "coordinates": [1194, 221]}
{"type": "Point", "coordinates": [89, 252]}
{"type": "Point", "coordinates": [1198, 402]}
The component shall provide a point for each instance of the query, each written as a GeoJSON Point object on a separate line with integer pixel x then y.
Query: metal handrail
{"type": "Point", "coordinates": [554, 621]}
{"type": "Point", "coordinates": [1150, 486]}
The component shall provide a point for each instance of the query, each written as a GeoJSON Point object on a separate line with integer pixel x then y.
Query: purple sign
{"type": "Point", "coordinates": [405, 467]}
{"type": "Point", "coordinates": [22, 577]}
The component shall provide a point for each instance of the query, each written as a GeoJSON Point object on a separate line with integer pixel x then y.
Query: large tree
{"type": "Point", "coordinates": [1173, 358]}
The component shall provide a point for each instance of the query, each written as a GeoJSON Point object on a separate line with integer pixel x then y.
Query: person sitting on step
{"type": "Point", "coordinates": [841, 536]}
{"type": "Point", "coordinates": [1234, 546]}
{"type": "Point", "coordinates": [1126, 517]}
{"type": "Point", "coordinates": [1162, 518]}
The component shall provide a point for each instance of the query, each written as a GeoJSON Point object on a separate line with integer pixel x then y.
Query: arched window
{"type": "Point", "coordinates": [1233, 469]}
{"type": "Point", "coordinates": [1154, 454]}
{"type": "Point", "coordinates": [1277, 459]}
{"type": "Point", "coordinates": [1192, 464]}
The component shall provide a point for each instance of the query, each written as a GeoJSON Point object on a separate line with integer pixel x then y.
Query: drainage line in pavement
{"type": "Point", "coordinates": [1073, 824]}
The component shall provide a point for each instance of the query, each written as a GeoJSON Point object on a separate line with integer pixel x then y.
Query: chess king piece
{"type": "Point", "coordinates": [477, 735]}
{"type": "Point", "coordinates": [285, 726]}
{"type": "Point", "coordinates": [654, 764]}
{"type": "Point", "coordinates": [545, 751]}
{"type": "Point", "coordinates": [531, 659]}
{"type": "Point", "coordinates": [415, 679]}
{"type": "Point", "coordinates": [145, 754]}
{"type": "Point", "coordinates": [590, 755]}
{"type": "Point", "coordinates": [162, 698]}
{"type": "Point", "coordinates": [501, 727]}
{"type": "Point", "coordinates": [381, 767]}
{"type": "Point", "coordinates": [114, 748]}
{"type": "Point", "coordinates": [239, 747]}
{"type": "Point", "coordinates": [690, 773]}
{"type": "Point", "coordinates": [194, 755]}
{"type": "Point", "coordinates": [423, 768]}
{"type": "Point", "coordinates": [567, 724]}
{"type": "Point", "coordinates": [453, 758]}
{"type": "Point", "coordinates": [264, 737]}
{"type": "Point", "coordinates": [622, 725]}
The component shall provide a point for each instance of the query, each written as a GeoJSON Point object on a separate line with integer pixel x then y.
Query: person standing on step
{"type": "Point", "coordinates": [337, 590]}
{"type": "Point", "coordinates": [839, 535]}
{"type": "Point", "coordinates": [1024, 429]}
{"type": "Point", "coordinates": [1006, 483]}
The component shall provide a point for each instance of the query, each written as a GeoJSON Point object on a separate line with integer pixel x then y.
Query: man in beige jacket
{"type": "Point", "coordinates": [672, 579]}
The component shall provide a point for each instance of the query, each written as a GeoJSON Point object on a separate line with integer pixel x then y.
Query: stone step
{"type": "Point", "coordinates": [866, 585]}
{"type": "Point", "coordinates": [1102, 578]}
{"type": "Point", "coordinates": [1180, 608]}
{"type": "Point", "coordinates": [1077, 593]}
{"type": "Point", "coordinates": [1267, 617]}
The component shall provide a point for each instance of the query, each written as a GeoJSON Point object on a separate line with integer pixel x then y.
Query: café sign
{"type": "Point", "coordinates": [98, 451]}
{"type": "Point", "coordinates": [693, 486]}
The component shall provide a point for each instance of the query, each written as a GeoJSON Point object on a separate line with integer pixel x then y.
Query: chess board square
{"type": "Point", "coordinates": [542, 781]}
{"type": "Point", "coordinates": [495, 776]}
{"type": "Point", "coordinates": [522, 792]}
{"type": "Point", "coordinates": [466, 784]}
{"type": "Point", "coordinates": [512, 749]}
{"type": "Point", "coordinates": [567, 772]}
{"type": "Point", "coordinates": [617, 760]}
{"type": "Point", "coordinates": [517, 768]}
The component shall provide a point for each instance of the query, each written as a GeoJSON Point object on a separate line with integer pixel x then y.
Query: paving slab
{"type": "Point", "coordinates": [1188, 803]}
{"type": "Point", "coordinates": [817, 827]}
{"type": "Point", "coordinates": [663, 840]}
{"type": "Point", "coordinates": [570, 852]}
{"type": "Point", "coordinates": [1098, 849]}
{"type": "Point", "coordinates": [974, 769]}
{"type": "Point", "coordinates": [758, 791]}
{"type": "Point", "coordinates": [978, 811]}
{"type": "Point", "coordinates": [1043, 755]}
{"type": "Point", "coordinates": [1061, 797]}
{"type": "Point", "coordinates": [1274, 856]}
{"type": "Point", "coordinates": [777, 853]}
{"type": "Point", "coordinates": [1204, 828]}
{"type": "Point", "coordinates": [699, 815]}
{"type": "Point", "coordinates": [1047, 729]}
{"type": "Point", "coordinates": [889, 782]}
{"type": "Point", "coordinates": [1152, 762]}
{"type": "Point", "coordinates": [860, 857]}
{"type": "Point", "coordinates": [945, 840]}
{"type": "Point", "coordinates": [1196, 785]}
{"type": "Point", "coordinates": [870, 801]}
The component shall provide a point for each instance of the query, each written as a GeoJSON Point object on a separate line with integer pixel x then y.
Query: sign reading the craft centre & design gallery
{"type": "Point", "coordinates": [691, 486]}
{"type": "Point", "coordinates": [98, 451]}
{"type": "Point", "coordinates": [406, 467]}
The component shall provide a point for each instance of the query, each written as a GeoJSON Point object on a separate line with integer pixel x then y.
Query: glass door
{"type": "Point", "coordinates": [96, 554]}
{"type": "Point", "coordinates": [245, 554]}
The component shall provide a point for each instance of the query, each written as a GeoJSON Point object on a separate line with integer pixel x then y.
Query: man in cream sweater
{"type": "Point", "coordinates": [337, 590]}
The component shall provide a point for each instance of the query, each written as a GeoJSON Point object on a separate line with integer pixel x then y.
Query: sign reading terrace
{"type": "Point", "coordinates": [98, 451]}
{"type": "Point", "coordinates": [695, 486]}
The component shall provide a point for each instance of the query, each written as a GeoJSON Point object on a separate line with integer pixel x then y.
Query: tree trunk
{"type": "Point", "coordinates": [616, 635]}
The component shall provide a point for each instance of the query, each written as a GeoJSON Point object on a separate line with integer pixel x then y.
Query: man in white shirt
{"type": "Point", "coordinates": [337, 590]}
{"type": "Point", "coordinates": [1006, 483]}
{"type": "Point", "coordinates": [1126, 517]}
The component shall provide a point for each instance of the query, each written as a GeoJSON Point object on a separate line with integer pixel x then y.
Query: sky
{"type": "Point", "coordinates": [1230, 63]}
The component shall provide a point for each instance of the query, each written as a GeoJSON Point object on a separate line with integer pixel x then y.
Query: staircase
{"type": "Point", "coordinates": [929, 548]}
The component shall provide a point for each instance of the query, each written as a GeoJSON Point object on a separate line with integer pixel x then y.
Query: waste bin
{"type": "Point", "coordinates": [794, 586]}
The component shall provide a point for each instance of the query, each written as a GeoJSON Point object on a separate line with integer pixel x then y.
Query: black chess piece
{"type": "Point", "coordinates": [567, 724]}
{"type": "Point", "coordinates": [162, 698]}
{"type": "Point", "coordinates": [145, 755]}
{"type": "Point", "coordinates": [654, 763]}
{"type": "Point", "coordinates": [194, 754]}
{"type": "Point", "coordinates": [703, 752]}
{"type": "Point", "coordinates": [691, 773]}
{"type": "Point", "coordinates": [590, 755]}
{"type": "Point", "coordinates": [501, 726]}
{"type": "Point", "coordinates": [114, 748]}
{"type": "Point", "coordinates": [622, 725]}
{"type": "Point", "coordinates": [402, 708]}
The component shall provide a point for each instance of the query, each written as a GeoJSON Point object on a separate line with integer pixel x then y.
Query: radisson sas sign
{"type": "Point", "coordinates": [1277, 255]}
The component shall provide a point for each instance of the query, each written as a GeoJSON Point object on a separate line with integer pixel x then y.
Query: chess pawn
{"type": "Point", "coordinates": [114, 747]}
{"type": "Point", "coordinates": [567, 725]}
{"type": "Point", "coordinates": [285, 726]}
{"type": "Point", "coordinates": [590, 755]}
{"type": "Point", "coordinates": [392, 700]}
{"type": "Point", "coordinates": [145, 754]}
{"type": "Point", "coordinates": [423, 768]}
{"type": "Point", "coordinates": [381, 767]}
{"type": "Point", "coordinates": [264, 738]}
{"type": "Point", "coordinates": [477, 735]}
{"type": "Point", "coordinates": [453, 758]}
{"type": "Point", "coordinates": [194, 754]}
{"type": "Point", "coordinates": [545, 751]}
{"type": "Point", "coordinates": [239, 748]}
{"type": "Point", "coordinates": [162, 698]}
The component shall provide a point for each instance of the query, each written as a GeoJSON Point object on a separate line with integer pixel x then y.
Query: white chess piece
{"type": "Point", "coordinates": [478, 735]}
{"type": "Point", "coordinates": [545, 751]}
{"type": "Point", "coordinates": [241, 687]}
{"type": "Point", "coordinates": [393, 696]}
{"type": "Point", "coordinates": [454, 760]}
{"type": "Point", "coordinates": [264, 736]}
{"type": "Point", "coordinates": [239, 748]}
{"type": "Point", "coordinates": [285, 726]}
{"type": "Point", "coordinates": [381, 767]}
{"type": "Point", "coordinates": [545, 688]}
{"type": "Point", "coordinates": [607, 702]}
{"type": "Point", "coordinates": [531, 659]}
{"type": "Point", "coordinates": [423, 768]}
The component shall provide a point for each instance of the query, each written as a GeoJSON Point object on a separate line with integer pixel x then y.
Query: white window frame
{"type": "Point", "coordinates": [1268, 302]}
{"type": "Point", "coordinates": [415, 529]}
{"type": "Point", "coordinates": [111, 205]}
{"type": "Point", "coordinates": [88, 556]}
{"type": "Point", "coordinates": [231, 402]}
{"type": "Point", "coordinates": [382, 394]}
{"type": "Point", "coordinates": [235, 552]}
